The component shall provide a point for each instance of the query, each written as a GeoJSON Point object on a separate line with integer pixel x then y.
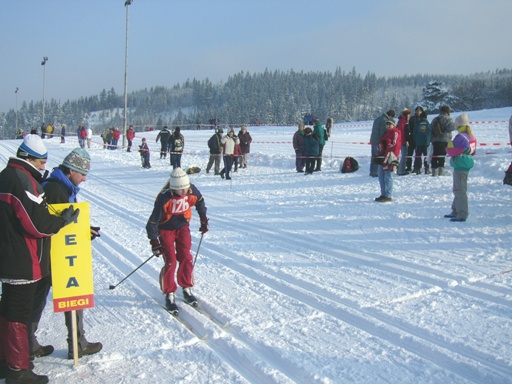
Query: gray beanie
{"type": "Point", "coordinates": [78, 160]}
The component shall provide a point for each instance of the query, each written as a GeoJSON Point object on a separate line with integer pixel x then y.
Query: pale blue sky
{"type": "Point", "coordinates": [171, 41]}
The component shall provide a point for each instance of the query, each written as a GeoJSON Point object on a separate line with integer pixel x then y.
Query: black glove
{"type": "Point", "coordinates": [156, 247]}
{"type": "Point", "coordinates": [69, 215]}
{"type": "Point", "coordinates": [95, 232]}
{"type": "Point", "coordinates": [204, 225]}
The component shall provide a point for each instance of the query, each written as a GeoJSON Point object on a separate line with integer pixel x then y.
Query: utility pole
{"type": "Point", "coordinates": [126, 5]}
{"type": "Point", "coordinates": [43, 63]}
{"type": "Point", "coordinates": [16, 92]}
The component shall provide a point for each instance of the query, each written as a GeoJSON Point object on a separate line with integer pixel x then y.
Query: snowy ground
{"type": "Point", "coordinates": [306, 278]}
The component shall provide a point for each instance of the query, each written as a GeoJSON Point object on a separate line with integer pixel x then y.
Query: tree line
{"type": "Point", "coordinates": [271, 97]}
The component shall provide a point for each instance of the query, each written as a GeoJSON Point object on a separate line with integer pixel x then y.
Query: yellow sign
{"type": "Point", "coordinates": [71, 261]}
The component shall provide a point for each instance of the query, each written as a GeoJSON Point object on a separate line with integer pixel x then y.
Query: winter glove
{"type": "Point", "coordinates": [69, 215]}
{"type": "Point", "coordinates": [95, 232]}
{"type": "Point", "coordinates": [204, 225]}
{"type": "Point", "coordinates": [156, 247]}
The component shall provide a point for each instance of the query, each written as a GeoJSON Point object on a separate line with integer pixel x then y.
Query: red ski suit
{"type": "Point", "coordinates": [169, 221]}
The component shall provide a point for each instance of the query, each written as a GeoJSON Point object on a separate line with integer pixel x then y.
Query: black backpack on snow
{"type": "Point", "coordinates": [349, 165]}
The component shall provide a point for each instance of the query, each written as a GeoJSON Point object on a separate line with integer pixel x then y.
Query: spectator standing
{"type": "Point", "coordinates": [49, 130]}
{"type": "Point", "coordinates": [510, 129]}
{"type": "Point", "coordinates": [411, 145]}
{"type": "Point", "coordinates": [144, 154]}
{"type": "Point", "coordinates": [388, 152]}
{"type": "Point", "coordinates": [106, 137]}
{"type": "Point", "coordinates": [441, 136]}
{"type": "Point", "coordinates": [164, 136]}
{"type": "Point", "coordinates": [62, 187]}
{"type": "Point", "coordinates": [228, 141]}
{"type": "Point", "coordinates": [176, 146]}
{"type": "Point", "coordinates": [461, 151]}
{"type": "Point", "coordinates": [319, 134]}
{"type": "Point", "coordinates": [403, 127]}
{"type": "Point", "coordinates": [215, 146]}
{"type": "Point", "coordinates": [328, 125]}
{"type": "Point", "coordinates": [130, 135]}
{"type": "Point", "coordinates": [62, 133]}
{"type": "Point", "coordinates": [168, 230]}
{"type": "Point", "coordinates": [378, 129]}
{"type": "Point", "coordinates": [116, 134]}
{"type": "Point", "coordinates": [237, 156]}
{"type": "Point", "coordinates": [299, 148]}
{"type": "Point", "coordinates": [82, 136]}
{"type": "Point", "coordinates": [508, 173]}
{"type": "Point", "coordinates": [311, 150]}
{"type": "Point", "coordinates": [245, 146]}
{"type": "Point", "coordinates": [89, 136]}
{"type": "Point", "coordinates": [25, 226]}
{"type": "Point", "coordinates": [421, 133]}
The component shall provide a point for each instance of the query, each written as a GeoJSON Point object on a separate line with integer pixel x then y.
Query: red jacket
{"type": "Point", "coordinates": [116, 135]}
{"type": "Point", "coordinates": [130, 134]}
{"type": "Point", "coordinates": [391, 141]}
{"type": "Point", "coordinates": [402, 125]}
{"type": "Point", "coordinates": [83, 133]}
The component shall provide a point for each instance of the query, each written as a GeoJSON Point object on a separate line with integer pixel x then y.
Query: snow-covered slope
{"type": "Point", "coordinates": [305, 278]}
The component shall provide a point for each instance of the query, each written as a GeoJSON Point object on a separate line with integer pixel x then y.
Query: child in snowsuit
{"type": "Point", "coordinates": [421, 133]}
{"type": "Point", "coordinates": [388, 152]}
{"type": "Point", "coordinates": [144, 154]}
{"type": "Point", "coordinates": [169, 234]}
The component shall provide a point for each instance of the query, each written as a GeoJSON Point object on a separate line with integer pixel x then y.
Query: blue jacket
{"type": "Point", "coordinates": [311, 145]}
{"type": "Point", "coordinates": [422, 132]}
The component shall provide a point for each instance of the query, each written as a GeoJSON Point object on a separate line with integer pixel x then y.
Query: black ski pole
{"type": "Point", "coordinates": [131, 273]}
{"type": "Point", "coordinates": [198, 247]}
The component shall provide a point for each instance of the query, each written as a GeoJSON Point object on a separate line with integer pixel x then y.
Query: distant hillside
{"type": "Point", "coordinates": [278, 97]}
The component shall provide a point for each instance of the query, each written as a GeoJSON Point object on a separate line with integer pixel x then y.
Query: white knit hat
{"type": "Point", "coordinates": [178, 180]}
{"type": "Point", "coordinates": [32, 146]}
{"type": "Point", "coordinates": [461, 120]}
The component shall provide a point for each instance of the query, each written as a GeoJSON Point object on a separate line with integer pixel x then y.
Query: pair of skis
{"type": "Point", "coordinates": [175, 314]}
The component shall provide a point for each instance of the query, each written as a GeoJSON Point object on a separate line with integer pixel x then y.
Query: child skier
{"type": "Point", "coordinates": [169, 235]}
{"type": "Point", "coordinates": [144, 154]}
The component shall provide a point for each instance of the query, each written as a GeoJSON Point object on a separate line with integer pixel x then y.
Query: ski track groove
{"type": "Point", "coordinates": [256, 272]}
{"type": "Point", "coordinates": [244, 365]}
{"type": "Point", "coordinates": [361, 318]}
{"type": "Point", "coordinates": [385, 327]}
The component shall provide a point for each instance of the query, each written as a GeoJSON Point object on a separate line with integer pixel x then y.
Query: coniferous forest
{"type": "Point", "coordinates": [270, 98]}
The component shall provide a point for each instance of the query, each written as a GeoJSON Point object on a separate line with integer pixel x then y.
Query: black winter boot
{"type": "Point", "coordinates": [24, 376]}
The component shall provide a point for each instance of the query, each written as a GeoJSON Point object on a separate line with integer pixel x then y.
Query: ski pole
{"type": "Point", "coordinates": [131, 273]}
{"type": "Point", "coordinates": [198, 247]}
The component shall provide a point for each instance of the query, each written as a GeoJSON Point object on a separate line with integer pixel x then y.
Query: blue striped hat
{"type": "Point", "coordinates": [32, 146]}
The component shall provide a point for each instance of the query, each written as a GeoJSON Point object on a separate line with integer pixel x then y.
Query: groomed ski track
{"type": "Point", "coordinates": [300, 290]}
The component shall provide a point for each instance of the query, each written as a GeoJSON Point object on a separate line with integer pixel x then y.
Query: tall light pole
{"type": "Point", "coordinates": [43, 63]}
{"type": "Point", "coordinates": [16, 92]}
{"type": "Point", "coordinates": [127, 3]}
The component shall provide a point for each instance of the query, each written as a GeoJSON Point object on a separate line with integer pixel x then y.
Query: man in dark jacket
{"type": "Point", "coordinates": [164, 136]}
{"type": "Point", "coordinates": [440, 141]}
{"type": "Point", "coordinates": [409, 137]}
{"type": "Point", "coordinates": [25, 227]}
{"type": "Point", "coordinates": [62, 187]}
{"type": "Point", "coordinates": [215, 147]}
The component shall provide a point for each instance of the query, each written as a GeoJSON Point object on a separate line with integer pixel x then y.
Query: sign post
{"type": "Point", "coordinates": [71, 262]}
